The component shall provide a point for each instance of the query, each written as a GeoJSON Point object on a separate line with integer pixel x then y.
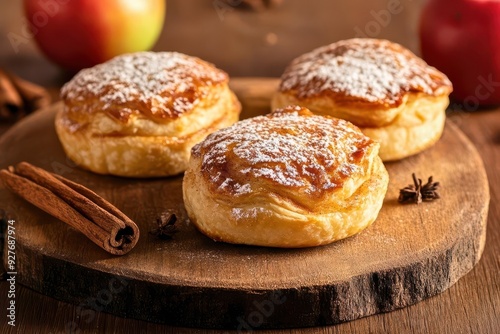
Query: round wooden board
{"type": "Point", "coordinates": [410, 253]}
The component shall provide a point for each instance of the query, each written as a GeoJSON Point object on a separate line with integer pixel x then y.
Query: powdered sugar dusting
{"type": "Point", "coordinates": [367, 69]}
{"type": "Point", "coordinates": [247, 213]}
{"type": "Point", "coordinates": [290, 148]}
{"type": "Point", "coordinates": [162, 84]}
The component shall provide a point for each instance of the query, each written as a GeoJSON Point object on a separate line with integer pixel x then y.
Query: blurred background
{"type": "Point", "coordinates": [259, 38]}
{"type": "Point", "coordinates": [245, 38]}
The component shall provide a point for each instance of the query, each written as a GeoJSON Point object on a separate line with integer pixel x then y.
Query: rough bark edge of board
{"type": "Point", "coordinates": [256, 309]}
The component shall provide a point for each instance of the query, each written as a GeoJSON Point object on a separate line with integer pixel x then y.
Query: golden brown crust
{"type": "Point", "coordinates": [366, 73]}
{"type": "Point", "coordinates": [157, 85]}
{"type": "Point", "coordinates": [290, 152]}
{"type": "Point", "coordinates": [358, 113]}
{"type": "Point", "coordinates": [288, 179]}
{"type": "Point", "coordinates": [140, 114]}
{"type": "Point", "coordinates": [386, 90]}
{"type": "Point", "coordinates": [159, 152]}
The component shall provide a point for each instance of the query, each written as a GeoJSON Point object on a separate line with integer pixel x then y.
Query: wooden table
{"type": "Point", "coordinates": [470, 306]}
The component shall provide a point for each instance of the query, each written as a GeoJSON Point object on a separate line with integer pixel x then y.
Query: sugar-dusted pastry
{"type": "Point", "coordinates": [140, 114]}
{"type": "Point", "coordinates": [287, 179]}
{"type": "Point", "coordinates": [380, 86]}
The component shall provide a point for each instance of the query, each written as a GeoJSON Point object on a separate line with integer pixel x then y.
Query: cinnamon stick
{"type": "Point", "coordinates": [75, 205]}
{"type": "Point", "coordinates": [19, 97]}
{"type": "Point", "coordinates": [10, 100]}
{"type": "Point", "coordinates": [34, 97]}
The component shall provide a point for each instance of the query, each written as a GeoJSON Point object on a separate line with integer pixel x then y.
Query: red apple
{"type": "Point", "coordinates": [81, 33]}
{"type": "Point", "coordinates": [462, 39]}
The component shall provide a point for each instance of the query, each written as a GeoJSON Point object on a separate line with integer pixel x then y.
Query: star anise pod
{"type": "Point", "coordinates": [166, 225]}
{"type": "Point", "coordinates": [411, 193]}
{"type": "Point", "coordinates": [416, 192]}
{"type": "Point", "coordinates": [429, 190]}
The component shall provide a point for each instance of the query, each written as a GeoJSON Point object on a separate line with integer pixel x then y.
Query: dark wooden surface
{"type": "Point", "coordinates": [409, 254]}
{"type": "Point", "coordinates": [472, 305]}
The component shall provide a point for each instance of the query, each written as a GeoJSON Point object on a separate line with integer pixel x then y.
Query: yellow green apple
{"type": "Point", "coordinates": [81, 33]}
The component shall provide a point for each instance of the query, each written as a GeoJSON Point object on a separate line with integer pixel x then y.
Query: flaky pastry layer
{"type": "Point", "coordinates": [267, 219]}
{"type": "Point", "coordinates": [408, 129]}
{"type": "Point", "coordinates": [373, 75]}
{"type": "Point", "coordinates": [288, 179]}
{"type": "Point", "coordinates": [416, 129]}
{"type": "Point", "coordinates": [142, 147]}
{"type": "Point", "coordinates": [206, 112]}
{"type": "Point", "coordinates": [354, 111]}
{"type": "Point", "coordinates": [157, 85]}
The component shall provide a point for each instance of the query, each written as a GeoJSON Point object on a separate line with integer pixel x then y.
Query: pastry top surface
{"type": "Point", "coordinates": [158, 85]}
{"type": "Point", "coordinates": [363, 70]}
{"type": "Point", "coordinates": [290, 151]}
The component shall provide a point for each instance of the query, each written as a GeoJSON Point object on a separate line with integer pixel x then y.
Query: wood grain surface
{"type": "Point", "coordinates": [409, 254]}
{"type": "Point", "coordinates": [472, 305]}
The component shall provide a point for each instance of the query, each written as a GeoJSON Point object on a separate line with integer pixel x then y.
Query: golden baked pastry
{"type": "Point", "coordinates": [380, 86]}
{"type": "Point", "coordinates": [140, 114]}
{"type": "Point", "coordinates": [287, 179]}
